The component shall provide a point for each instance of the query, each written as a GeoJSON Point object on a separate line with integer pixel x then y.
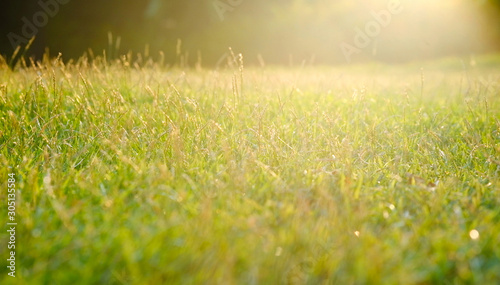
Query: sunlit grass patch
{"type": "Point", "coordinates": [147, 175]}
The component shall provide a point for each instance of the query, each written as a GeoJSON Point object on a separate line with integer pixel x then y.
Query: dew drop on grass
{"type": "Point", "coordinates": [386, 215]}
{"type": "Point", "coordinates": [474, 234]}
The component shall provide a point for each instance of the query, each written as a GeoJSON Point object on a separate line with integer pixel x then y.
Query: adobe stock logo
{"type": "Point", "coordinates": [373, 28]}
{"type": "Point", "coordinates": [40, 19]}
{"type": "Point", "coordinates": [221, 7]}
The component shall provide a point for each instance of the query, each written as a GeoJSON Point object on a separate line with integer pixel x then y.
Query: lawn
{"type": "Point", "coordinates": [133, 173]}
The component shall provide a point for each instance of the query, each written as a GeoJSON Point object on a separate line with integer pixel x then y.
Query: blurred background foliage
{"type": "Point", "coordinates": [274, 31]}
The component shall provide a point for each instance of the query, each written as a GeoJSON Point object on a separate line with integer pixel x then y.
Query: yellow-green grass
{"type": "Point", "coordinates": [369, 174]}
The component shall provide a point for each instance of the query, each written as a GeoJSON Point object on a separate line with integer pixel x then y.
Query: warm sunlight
{"type": "Point", "coordinates": [275, 32]}
{"type": "Point", "coordinates": [392, 30]}
{"type": "Point", "coordinates": [250, 142]}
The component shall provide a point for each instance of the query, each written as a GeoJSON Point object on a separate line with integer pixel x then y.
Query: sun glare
{"type": "Point", "coordinates": [422, 28]}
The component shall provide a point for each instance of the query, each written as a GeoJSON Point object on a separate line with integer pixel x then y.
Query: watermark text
{"type": "Point", "coordinates": [49, 9]}
{"type": "Point", "coordinates": [222, 7]}
{"type": "Point", "coordinates": [372, 29]}
{"type": "Point", "coordinates": [11, 223]}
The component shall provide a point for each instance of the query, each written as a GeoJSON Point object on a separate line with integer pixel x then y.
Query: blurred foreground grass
{"type": "Point", "coordinates": [351, 175]}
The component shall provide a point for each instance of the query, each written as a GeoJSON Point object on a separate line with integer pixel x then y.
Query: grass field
{"type": "Point", "coordinates": [368, 174]}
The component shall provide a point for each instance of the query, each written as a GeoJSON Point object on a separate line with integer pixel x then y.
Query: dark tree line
{"type": "Point", "coordinates": [275, 30]}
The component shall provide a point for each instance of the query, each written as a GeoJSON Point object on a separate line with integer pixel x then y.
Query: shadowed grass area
{"type": "Point", "coordinates": [143, 175]}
